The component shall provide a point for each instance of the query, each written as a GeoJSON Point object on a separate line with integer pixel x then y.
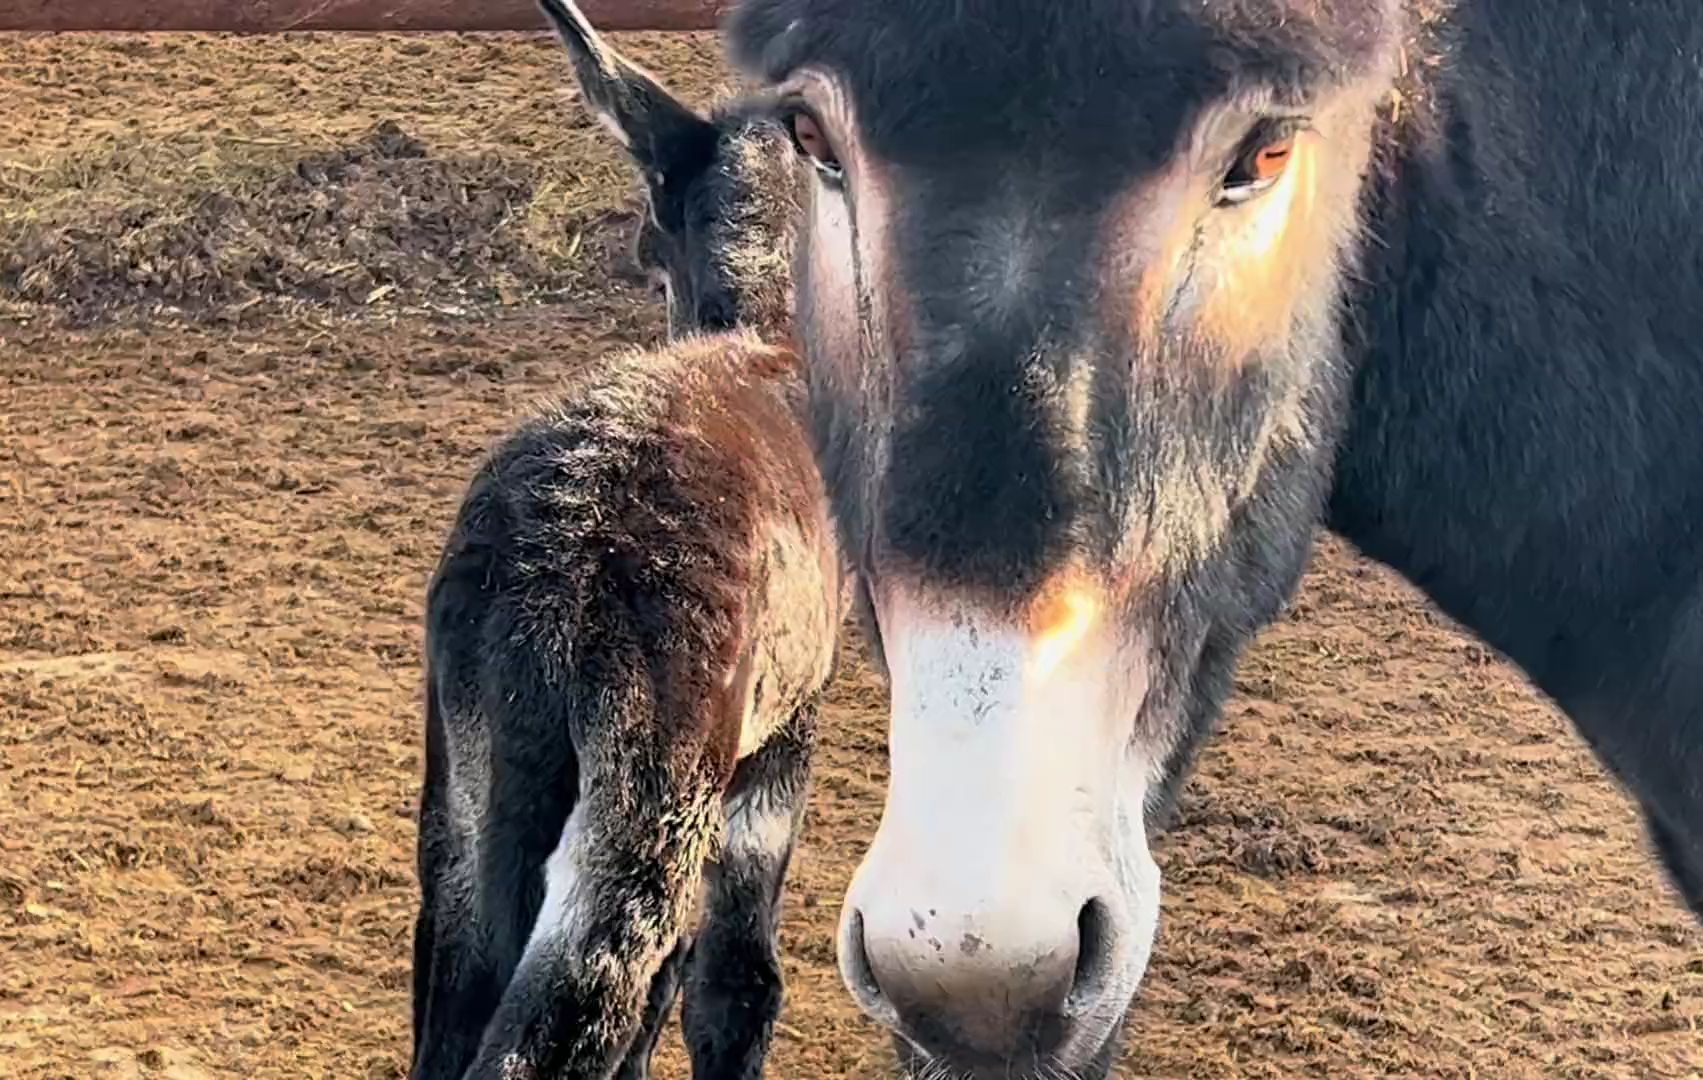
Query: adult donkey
{"type": "Point", "coordinates": [1099, 296]}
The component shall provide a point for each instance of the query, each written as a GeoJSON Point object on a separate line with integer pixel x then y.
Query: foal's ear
{"type": "Point", "coordinates": [662, 133]}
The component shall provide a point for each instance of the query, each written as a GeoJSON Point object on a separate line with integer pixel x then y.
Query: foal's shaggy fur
{"type": "Point", "coordinates": [627, 637]}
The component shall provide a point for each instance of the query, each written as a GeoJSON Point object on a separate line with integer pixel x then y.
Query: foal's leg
{"type": "Point", "coordinates": [434, 860]}
{"type": "Point", "coordinates": [618, 889]}
{"type": "Point", "coordinates": [1668, 784]}
{"type": "Point", "coordinates": [482, 889]}
{"type": "Point", "coordinates": [663, 990]}
{"type": "Point", "coordinates": [734, 986]}
{"type": "Point", "coordinates": [500, 780]}
{"type": "Point", "coordinates": [1661, 764]}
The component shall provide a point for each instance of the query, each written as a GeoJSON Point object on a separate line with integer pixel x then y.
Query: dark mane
{"type": "Point", "coordinates": [750, 201]}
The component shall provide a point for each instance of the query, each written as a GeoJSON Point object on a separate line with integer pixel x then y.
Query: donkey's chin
{"type": "Point", "coordinates": [1089, 1062]}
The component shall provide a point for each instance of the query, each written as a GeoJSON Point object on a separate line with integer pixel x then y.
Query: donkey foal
{"type": "Point", "coordinates": [627, 637]}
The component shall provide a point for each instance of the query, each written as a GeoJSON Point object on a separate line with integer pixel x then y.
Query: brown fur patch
{"type": "Point", "coordinates": [1062, 601]}
{"type": "Point", "coordinates": [690, 468]}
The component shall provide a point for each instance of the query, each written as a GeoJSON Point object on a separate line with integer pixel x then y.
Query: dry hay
{"type": "Point", "coordinates": [236, 203]}
{"type": "Point", "coordinates": [381, 219]}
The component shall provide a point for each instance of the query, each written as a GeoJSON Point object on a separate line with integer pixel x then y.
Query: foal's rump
{"type": "Point", "coordinates": [639, 591]}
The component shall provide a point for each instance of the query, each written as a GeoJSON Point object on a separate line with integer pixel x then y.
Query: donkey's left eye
{"type": "Point", "coordinates": [812, 142]}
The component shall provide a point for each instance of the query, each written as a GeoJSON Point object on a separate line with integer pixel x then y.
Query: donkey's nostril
{"type": "Point", "coordinates": [859, 973]}
{"type": "Point", "coordinates": [1095, 940]}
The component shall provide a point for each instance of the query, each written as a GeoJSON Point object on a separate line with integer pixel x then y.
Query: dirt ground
{"type": "Point", "coordinates": [262, 305]}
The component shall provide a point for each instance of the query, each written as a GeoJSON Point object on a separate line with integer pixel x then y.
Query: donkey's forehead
{"type": "Point", "coordinates": [1014, 70]}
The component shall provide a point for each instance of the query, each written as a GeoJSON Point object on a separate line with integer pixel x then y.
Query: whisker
{"type": "Point", "coordinates": [1058, 1070]}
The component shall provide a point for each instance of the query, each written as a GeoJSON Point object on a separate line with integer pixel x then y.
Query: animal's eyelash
{"type": "Point", "coordinates": [1275, 127]}
{"type": "Point", "coordinates": [787, 110]}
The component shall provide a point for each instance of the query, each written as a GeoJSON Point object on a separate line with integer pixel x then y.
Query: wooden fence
{"type": "Point", "coordinates": [273, 16]}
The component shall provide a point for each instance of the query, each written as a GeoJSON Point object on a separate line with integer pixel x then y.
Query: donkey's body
{"type": "Point", "coordinates": [1524, 438]}
{"type": "Point", "coordinates": [627, 637]}
{"type": "Point", "coordinates": [1106, 303]}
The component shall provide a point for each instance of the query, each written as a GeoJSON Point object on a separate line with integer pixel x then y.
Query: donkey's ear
{"type": "Point", "coordinates": [663, 134]}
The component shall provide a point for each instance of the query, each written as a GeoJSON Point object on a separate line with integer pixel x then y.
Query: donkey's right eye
{"type": "Point", "coordinates": [1261, 162]}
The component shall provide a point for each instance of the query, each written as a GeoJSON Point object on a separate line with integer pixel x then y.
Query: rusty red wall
{"type": "Point", "coordinates": [269, 16]}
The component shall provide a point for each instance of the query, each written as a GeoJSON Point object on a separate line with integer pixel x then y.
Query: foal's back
{"type": "Point", "coordinates": [666, 514]}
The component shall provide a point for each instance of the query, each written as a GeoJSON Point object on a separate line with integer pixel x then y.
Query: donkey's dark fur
{"type": "Point", "coordinates": [1524, 439]}
{"type": "Point", "coordinates": [1495, 390]}
{"type": "Point", "coordinates": [627, 637]}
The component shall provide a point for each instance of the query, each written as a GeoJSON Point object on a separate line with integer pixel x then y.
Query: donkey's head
{"type": "Point", "coordinates": [1069, 287]}
{"type": "Point", "coordinates": [722, 190]}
